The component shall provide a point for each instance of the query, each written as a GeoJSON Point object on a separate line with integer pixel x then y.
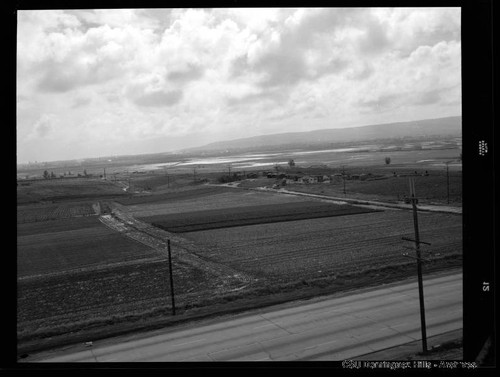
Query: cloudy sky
{"type": "Point", "coordinates": [108, 82]}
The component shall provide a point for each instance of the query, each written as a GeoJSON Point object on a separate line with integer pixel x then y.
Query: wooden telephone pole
{"type": "Point", "coordinates": [419, 259]}
{"type": "Point", "coordinates": [171, 277]}
{"type": "Point", "coordinates": [343, 176]}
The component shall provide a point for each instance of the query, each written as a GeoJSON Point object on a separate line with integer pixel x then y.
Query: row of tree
{"type": "Point", "coordinates": [51, 175]}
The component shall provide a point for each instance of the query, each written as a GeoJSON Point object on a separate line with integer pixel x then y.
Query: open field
{"type": "Point", "coordinates": [56, 305]}
{"type": "Point", "coordinates": [429, 189]}
{"type": "Point", "coordinates": [43, 212]}
{"type": "Point", "coordinates": [334, 245]}
{"type": "Point", "coordinates": [69, 244]}
{"type": "Point", "coordinates": [174, 195]}
{"type": "Point", "coordinates": [220, 198]}
{"type": "Point", "coordinates": [238, 216]}
{"type": "Point", "coordinates": [47, 190]}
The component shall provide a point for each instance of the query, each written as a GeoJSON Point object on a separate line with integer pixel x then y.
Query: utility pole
{"type": "Point", "coordinates": [417, 241]}
{"type": "Point", "coordinates": [104, 173]}
{"type": "Point", "coordinates": [168, 178]}
{"type": "Point", "coordinates": [343, 176]}
{"type": "Point", "coordinates": [171, 277]}
{"type": "Point", "coordinates": [448, 182]}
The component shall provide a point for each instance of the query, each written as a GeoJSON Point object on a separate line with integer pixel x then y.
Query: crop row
{"type": "Point", "coordinates": [302, 248]}
{"type": "Point", "coordinates": [217, 200]}
{"type": "Point", "coordinates": [28, 214]}
{"type": "Point", "coordinates": [262, 214]}
{"type": "Point", "coordinates": [67, 300]}
{"type": "Point", "coordinates": [54, 246]}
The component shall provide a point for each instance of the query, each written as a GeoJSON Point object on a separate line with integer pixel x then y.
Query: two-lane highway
{"type": "Point", "coordinates": [334, 328]}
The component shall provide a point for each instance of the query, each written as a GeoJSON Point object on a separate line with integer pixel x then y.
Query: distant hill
{"type": "Point", "coordinates": [450, 126]}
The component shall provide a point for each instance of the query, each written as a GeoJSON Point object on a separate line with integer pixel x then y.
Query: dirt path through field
{"type": "Point", "coordinates": [183, 249]}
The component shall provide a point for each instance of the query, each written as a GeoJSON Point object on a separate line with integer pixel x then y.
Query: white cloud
{"type": "Point", "coordinates": [123, 77]}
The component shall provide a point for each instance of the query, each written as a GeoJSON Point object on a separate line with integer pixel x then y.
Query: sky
{"type": "Point", "coordinates": [95, 83]}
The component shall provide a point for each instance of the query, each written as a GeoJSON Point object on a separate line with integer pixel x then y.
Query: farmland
{"type": "Point", "coordinates": [62, 245]}
{"type": "Point", "coordinates": [43, 190]}
{"type": "Point", "coordinates": [216, 198]}
{"type": "Point", "coordinates": [84, 273]}
{"type": "Point", "coordinates": [84, 300]}
{"type": "Point", "coordinates": [263, 214]}
{"type": "Point", "coordinates": [43, 212]}
{"type": "Point", "coordinates": [328, 246]}
{"type": "Point", "coordinates": [430, 189]}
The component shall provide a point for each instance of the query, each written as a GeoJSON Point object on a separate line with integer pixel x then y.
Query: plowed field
{"type": "Point", "coordinates": [28, 214]}
{"type": "Point", "coordinates": [69, 244]}
{"type": "Point", "coordinates": [328, 246]}
{"type": "Point", "coordinates": [229, 198]}
{"type": "Point", "coordinates": [78, 301]}
{"type": "Point", "coordinates": [263, 214]}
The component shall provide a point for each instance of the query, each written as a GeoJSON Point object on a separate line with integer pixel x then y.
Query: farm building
{"type": "Point", "coordinates": [307, 179]}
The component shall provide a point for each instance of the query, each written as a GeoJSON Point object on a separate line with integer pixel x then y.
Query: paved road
{"type": "Point", "coordinates": [334, 328]}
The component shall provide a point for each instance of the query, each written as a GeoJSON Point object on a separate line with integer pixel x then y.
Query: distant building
{"type": "Point", "coordinates": [307, 179]}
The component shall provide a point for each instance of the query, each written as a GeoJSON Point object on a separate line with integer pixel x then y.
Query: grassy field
{"type": "Point", "coordinates": [69, 244]}
{"type": "Point", "coordinates": [262, 214]}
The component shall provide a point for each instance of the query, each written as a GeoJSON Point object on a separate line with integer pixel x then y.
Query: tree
{"type": "Point", "coordinates": [46, 174]}
{"type": "Point", "coordinates": [85, 172]}
{"type": "Point", "coordinates": [52, 175]}
{"type": "Point", "coordinates": [291, 162]}
{"type": "Point", "coordinates": [387, 160]}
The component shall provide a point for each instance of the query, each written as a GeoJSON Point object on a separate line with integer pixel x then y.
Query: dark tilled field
{"type": "Point", "coordinates": [76, 302]}
{"type": "Point", "coordinates": [61, 245]}
{"type": "Point", "coordinates": [263, 214]}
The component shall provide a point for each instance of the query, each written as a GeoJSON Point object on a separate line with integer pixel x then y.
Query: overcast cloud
{"type": "Point", "coordinates": [105, 82]}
